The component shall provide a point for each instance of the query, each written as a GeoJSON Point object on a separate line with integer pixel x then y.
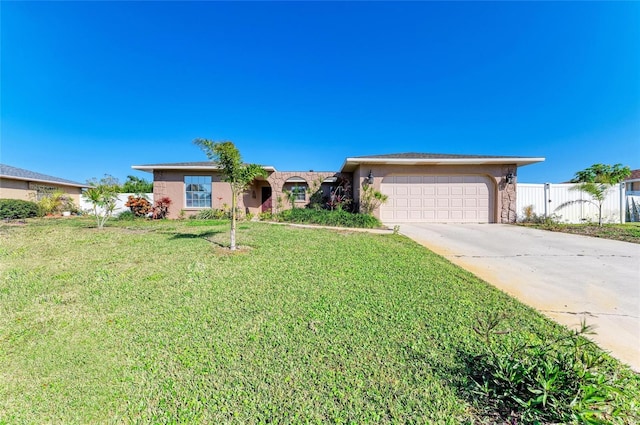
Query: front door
{"type": "Point", "coordinates": [266, 199]}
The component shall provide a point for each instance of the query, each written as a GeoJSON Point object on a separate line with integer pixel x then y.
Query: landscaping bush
{"type": "Point", "coordinates": [337, 218]}
{"type": "Point", "coordinates": [126, 216]}
{"type": "Point", "coordinates": [540, 379]}
{"type": "Point", "coordinates": [211, 214]}
{"type": "Point", "coordinates": [160, 208]}
{"type": "Point", "coordinates": [17, 208]}
{"type": "Point", "coordinates": [139, 205]}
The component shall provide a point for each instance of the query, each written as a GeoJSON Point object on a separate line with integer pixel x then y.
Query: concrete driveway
{"type": "Point", "coordinates": [566, 277]}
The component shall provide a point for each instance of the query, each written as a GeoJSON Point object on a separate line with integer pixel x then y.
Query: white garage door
{"type": "Point", "coordinates": [437, 199]}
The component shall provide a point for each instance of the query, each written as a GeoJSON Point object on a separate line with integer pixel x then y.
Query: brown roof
{"type": "Point", "coordinates": [635, 175]}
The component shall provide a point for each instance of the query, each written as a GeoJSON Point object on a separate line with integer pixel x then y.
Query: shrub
{"type": "Point", "coordinates": [55, 203]}
{"type": "Point", "coordinates": [338, 218]}
{"type": "Point", "coordinates": [138, 205]}
{"type": "Point", "coordinates": [211, 214]}
{"type": "Point", "coordinates": [538, 379]}
{"type": "Point", "coordinates": [530, 217]}
{"type": "Point", "coordinates": [127, 216]}
{"type": "Point", "coordinates": [370, 199]}
{"type": "Point", "coordinates": [265, 216]}
{"type": "Point", "coordinates": [160, 208]}
{"type": "Point", "coordinates": [17, 209]}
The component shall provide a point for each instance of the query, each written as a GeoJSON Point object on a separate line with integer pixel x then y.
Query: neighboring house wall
{"type": "Point", "coordinates": [28, 191]}
{"type": "Point", "coordinates": [504, 195]}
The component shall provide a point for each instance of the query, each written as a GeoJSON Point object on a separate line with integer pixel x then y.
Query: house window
{"type": "Point", "coordinates": [43, 191]}
{"type": "Point", "coordinates": [299, 192]}
{"type": "Point", "coordinates": [197, 191]}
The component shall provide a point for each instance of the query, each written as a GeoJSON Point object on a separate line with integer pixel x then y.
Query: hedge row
{"type": "Point", "coordinates": [16, 209]}
{"type": "Point", "coordinates": [329, 218]}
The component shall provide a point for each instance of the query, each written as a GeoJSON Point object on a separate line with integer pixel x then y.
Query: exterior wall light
{"type": "Point", "coordinates": [369, 179]}
{"type": "Point", "coordinates": [510, 178]}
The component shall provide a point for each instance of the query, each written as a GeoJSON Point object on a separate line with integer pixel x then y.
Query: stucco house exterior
{"type": "Point", "coordinates": [632, 183]}
{"type": "Point", "coordinates": [18, 183]}
{"type": "Point", "coordinates": [421, 187]}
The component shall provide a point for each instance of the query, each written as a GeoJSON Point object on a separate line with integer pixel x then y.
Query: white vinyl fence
{"type": "Point", "coordinates": [551, 200]}
{"type": "Point", "coordinates": [86, 206]}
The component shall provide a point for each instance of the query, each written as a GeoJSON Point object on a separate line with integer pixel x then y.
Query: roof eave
{"type": "Point", "coordinates": [350, 164]}
{"type": "Point", "coordinates": [80, 185]}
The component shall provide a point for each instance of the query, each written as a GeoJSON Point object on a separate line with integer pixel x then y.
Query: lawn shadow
{"type": "Point", "coordinates": [459, 372]}
{"type": "Point", "coordinates": [204, 235]}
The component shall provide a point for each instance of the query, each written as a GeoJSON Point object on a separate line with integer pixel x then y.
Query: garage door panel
{"type": "Point", "coordinates": [445, 198]}
{"type": "Point", "coordinates": [457, 202]}
{"type": "Point", "coordinates": [415, 190]}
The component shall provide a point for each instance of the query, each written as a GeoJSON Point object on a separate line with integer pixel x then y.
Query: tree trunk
{"type": "Point", "coordinates": [232, 247]}
{"type": "Point", "coordinates": [600, 214]}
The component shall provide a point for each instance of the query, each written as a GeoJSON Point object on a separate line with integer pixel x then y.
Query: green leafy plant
{"type": "Point", "coordinates": [316, 197]}
{"type": "Point", "coordinates": [530, 217]}
{"type": "Point", "coordinates": [371, 199]}
{"type": "Point", "coordinates": [541, 379]}
{"type": "Point", "coordinates": [239, 175]}
{"type": "Point", "coordinates": [54, 203]}
{"type": "Point", "coordinates": [103, 195]}
{"type": "Point", "coordinates": [211, 214]}
{"type": "Point", "coordinates": [17, 209]}
{"type": "Point", "coordinates": [339, 218]}
{"type": "Point", "coordinates": [126, 215]}
{"type": "Point", "coordinates": [265, 216]}
{"type": "Point", "coordinates": [340, 198]}
{"type": "Point", "coordinates": [291, 197]}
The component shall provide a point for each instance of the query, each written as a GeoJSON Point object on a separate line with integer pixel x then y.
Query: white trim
{"type": "Point", "coordinates": [351, 163]}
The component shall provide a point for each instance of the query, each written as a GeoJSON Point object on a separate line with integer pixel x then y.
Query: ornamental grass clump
{"type": "Point", "coordinates": [542, 379]}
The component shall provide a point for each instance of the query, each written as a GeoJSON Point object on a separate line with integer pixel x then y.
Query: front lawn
{"type": "Point", "coordinates": [627, 232]}
{"type": "Point", "coordinates": [156, 322]}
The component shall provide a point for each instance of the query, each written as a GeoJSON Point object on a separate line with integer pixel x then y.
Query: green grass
{"type": "Point", "coordinates": [627, 232]}
{"type": "Point", "coordinates": [155, 322]}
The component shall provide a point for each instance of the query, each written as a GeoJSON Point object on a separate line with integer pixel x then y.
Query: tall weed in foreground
{"type": "Point", "coordinates": [538, 379]}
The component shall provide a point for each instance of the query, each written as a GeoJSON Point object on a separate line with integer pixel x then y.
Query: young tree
{"type": "Point", "coordinates": [103, 195]}
{"type": "Point", "coordinates": [239, 175]}
{"type": "Point", "coordinates": [596, 181]}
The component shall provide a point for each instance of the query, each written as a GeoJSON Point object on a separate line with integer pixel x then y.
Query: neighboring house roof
{"type": "Point", "coordinates": [15, 173]}
{"type": "Point", "coordinates": [635, 176]}
{"type": "Point", "coordinates": [413, 158]}
{"type": "Point", "coordinates": [200, 165]}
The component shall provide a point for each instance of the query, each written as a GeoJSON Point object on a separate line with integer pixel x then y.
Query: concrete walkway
{"type": "Point", "coordinates": [566, 277]}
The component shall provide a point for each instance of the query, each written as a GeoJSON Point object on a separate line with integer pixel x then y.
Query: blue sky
{"type": "Point", "coordinates": [89, 88]}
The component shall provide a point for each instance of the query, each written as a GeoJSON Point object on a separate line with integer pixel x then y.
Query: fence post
{"type": "Point", "coordinates": [623, 203]}
{"type": "Point", "coordinates": [547, 190]}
